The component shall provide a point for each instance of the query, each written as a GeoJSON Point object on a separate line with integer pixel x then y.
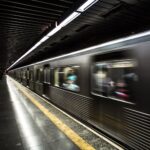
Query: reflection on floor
{"type": "Point", "coordinates": [24, 127]}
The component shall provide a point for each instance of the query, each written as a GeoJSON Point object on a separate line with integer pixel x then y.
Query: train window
{"type": "Point", "coordinates": [27, 73]}
{"type": "Point", "coordinates": [24, 75]}
{"type": "Point", "coordinates": [31, 75]}
{"type": "Point", "coordinates": [21, 74]}
{"type": "Point", "coordinates": [39, 76]}
{"type": "Point", "coordinates": [56, 77]}
{"type": "Point", "coordinates": [47, 74]}
{"type": "Point", "coordinates": [67, 78]}
{"type": "Point", "coordinates": [115, 79]}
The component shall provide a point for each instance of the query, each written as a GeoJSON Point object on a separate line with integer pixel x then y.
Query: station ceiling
{"type": "Point", "coordinates": [22, 24]}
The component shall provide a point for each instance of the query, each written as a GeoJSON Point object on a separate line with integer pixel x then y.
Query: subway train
{"type": "Point", "coordinates": [106, 86]}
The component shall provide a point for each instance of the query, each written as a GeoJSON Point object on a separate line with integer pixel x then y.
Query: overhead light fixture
{"type": "Point", "coordinates": [63, 23]}
{"type": "Point", "coordinates": [86, 5]}
{"type": "Point", "coordinates": [56, 29]}
{"type": "Point", "coordinates": [44, 39]}
{"type": "Point", "coordinates": [70, 18]}
{"type": "Point", "coordinates": [36, 45]}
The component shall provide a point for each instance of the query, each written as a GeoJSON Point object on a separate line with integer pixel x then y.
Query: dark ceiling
{"type": "Point", "coordinates": [24, 23]}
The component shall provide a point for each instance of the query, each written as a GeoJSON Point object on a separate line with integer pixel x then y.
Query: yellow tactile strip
{"type": "Point", "coordinates": [73, 136]}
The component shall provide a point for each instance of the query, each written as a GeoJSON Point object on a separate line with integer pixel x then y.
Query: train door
{"type": "Point", "coordinates": [46, 83]}
{"type": "Point", "coordinates": [27, 75]}
{"type": "Point", "coordinates": [31, 79]}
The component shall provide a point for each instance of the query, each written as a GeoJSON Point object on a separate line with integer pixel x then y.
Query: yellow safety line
{"type": "Point", "coordinates": [81, 143]}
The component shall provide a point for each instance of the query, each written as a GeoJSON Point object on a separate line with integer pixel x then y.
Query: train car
{"type": "Point", "coordinates": [105, 86]}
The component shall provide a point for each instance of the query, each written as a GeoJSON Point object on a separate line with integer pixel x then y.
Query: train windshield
{"type": "Point", "coordinates": [115, 79]}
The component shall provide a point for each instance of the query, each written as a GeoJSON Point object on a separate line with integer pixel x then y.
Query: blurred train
{"type": "Point", "coordinates": [106, 86]}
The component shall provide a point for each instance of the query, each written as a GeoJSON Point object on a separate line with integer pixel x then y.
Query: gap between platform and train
{"type": "Point", "coordinates": [73, 136]}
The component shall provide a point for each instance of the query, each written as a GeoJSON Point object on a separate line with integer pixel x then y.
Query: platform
{"type": "Point", "coordinates": [29, 122]}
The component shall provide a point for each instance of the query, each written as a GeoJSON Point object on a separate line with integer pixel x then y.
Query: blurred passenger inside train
{"type": "Point", "coordinates": [116, 79]}
{"type": "Point", "coordinates": [71, 72]}
{"type": "Point", "coordinates": [121, 90]}
{"type": "Point", "coordinates": [103, 83]}
{"type": "Point", "coordinates": [70, 82]}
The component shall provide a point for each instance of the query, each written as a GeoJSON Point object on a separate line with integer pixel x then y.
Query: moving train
{"type": "Point", "coordinates": [106, 86]}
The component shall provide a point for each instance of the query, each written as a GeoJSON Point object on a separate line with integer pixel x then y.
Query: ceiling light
{"type": "Point", "coordinates": [69, 19]}
{"type": "Point", "coordinates": [44, 39]}
{"type": "Point", "coordinates": [86, 5]}
{"type": "Point", "coordinates": [54, 31]}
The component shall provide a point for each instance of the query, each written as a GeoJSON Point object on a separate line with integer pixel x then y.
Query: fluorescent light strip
{"type": "Point", "coordinates": [86, 5]}
{"type": "Point", "coordinates": [70, 18]}
{"type": "Point", "coordinates": [140, 35]}
{"type": "Point", "coordinates": [54, 31]}
{"type": "Point", "coordinates": [64, 23]}
{"type": "Point", "coordinates": [44, 39]}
